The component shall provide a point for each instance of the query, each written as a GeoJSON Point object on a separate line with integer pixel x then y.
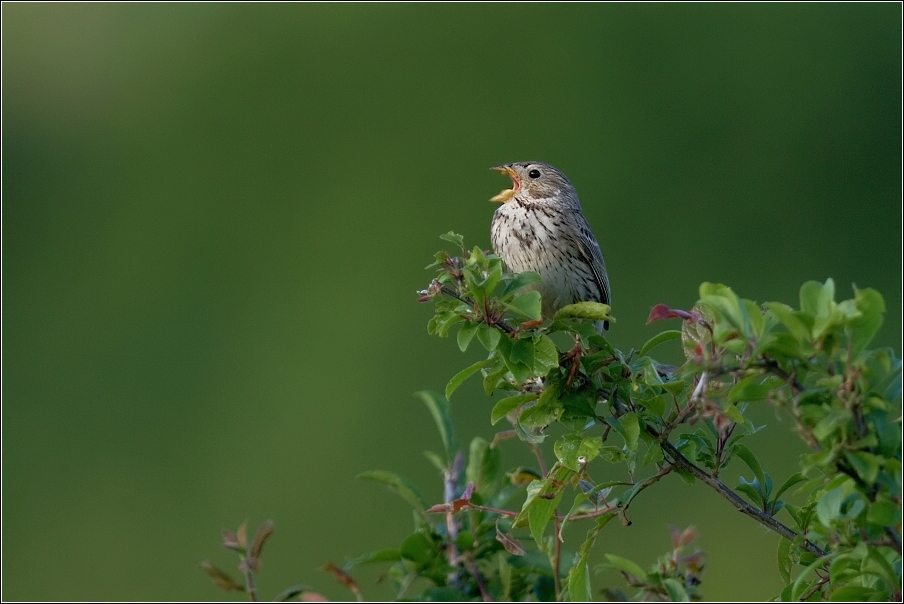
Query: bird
{"type": "Point", "coordinates": [540, 227]}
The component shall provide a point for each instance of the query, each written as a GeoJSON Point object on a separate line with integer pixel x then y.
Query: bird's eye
{"type": "Point", "coordinates": [534, 174]}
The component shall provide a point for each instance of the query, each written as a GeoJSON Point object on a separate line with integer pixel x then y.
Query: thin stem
{"type": "Point", "coordinates": [763, 518]}
{"type": "Point", "coordinates": [557, 559]}
{"type": "Point", "coordinates": [816, 587]}
{"type": "Point", "coordinates": [539, 457]}
{"type": "Point", "coordinates": [595, 513]}
{"type": "Point", "coordinates": [250, 589]}
{"type": "Point", "coordinates": [478, 578]}
{"type": "Point", "coordinates": [500, 325]}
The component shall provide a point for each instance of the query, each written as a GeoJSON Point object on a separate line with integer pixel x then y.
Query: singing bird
{"type": "Point", "coordinates": [540, 227]}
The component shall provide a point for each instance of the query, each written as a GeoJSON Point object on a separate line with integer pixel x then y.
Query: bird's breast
{"type": "Point", "coordinates": [524, 235]}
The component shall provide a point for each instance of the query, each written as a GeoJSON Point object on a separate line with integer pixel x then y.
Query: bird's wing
{"type": "Point", "coordinates": [593, 256]}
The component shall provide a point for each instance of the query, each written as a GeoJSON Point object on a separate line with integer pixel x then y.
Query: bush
{"type": "Point", "coordinates": [498, 533]}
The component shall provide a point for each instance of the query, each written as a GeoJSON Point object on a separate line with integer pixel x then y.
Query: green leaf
{"type": "Point", "coordinates": [484, 468]}
{"type": "Point", "coordinates": [492, 379]}
{"type": "Point", "coordinates": [784, 559]}
{"type": "Point", "coordinates": [627, 566]}
{"type": "Point", "coordinates": [595, 311]}
{"type": "Point", "coordinates": [510, 355]}
{"type": "Point", "coordinates": [466, 334]}
{"type": "Point", "coordinates": [875, 564]}
{"type": "Point", "coordinates": [578, 580]}
{"type": "Point", "coordinates": [747, 456]}
{"type": "Point", "coordinates": [794, 479]}
{"type": "Point", "coordinates": [676, 590]}
{"type": "Point", "coordinates": [628, 496]}
{"type": "Point", "coordinates": [612, 454]}
{"type": "Point", "coordinates": [541, 414]}
{"type": "Point", "coordinates": [866, 464]}
{"type": "Point", "coordinates": [656, 405]}
{"type": "Point", "coordinates": [755, 315]}
{"type": "Point", "coordinates": [854, 593]}
{"type": "Point", "coordinates": [872, 308]}
{"type": "Point", "coordinates": [883, 513]}
{"type": "Point", "coordinates": [653, 455]}
{"type": "Point", "coordinates": [734, 414]}
{"type": "Point", "coordinates": [541, 512]}
{"type": "Point", "coordinates": [464, 374]}
{"type": "Point", "coordinates": [488, 284]}
{"type": "Point", "coordinates": [548, 408]}
{"type": "Point", "coordinates": [658, 339]}
{"type": "Point", "coordinates": [436, 460]}
{"type": "Point", "coordinates": [803, 581]}
{"type": "Point", "coordinates": [674, 387]}
{"type": "Point", "coordinates": [439, 409]}
{"type": "Point", "coordinates": [397, 485]}
{"type": "Point", "coordinates": [527, 304]}
{"type": "Point", "coordinates": [631, 426]}
{"type": "Point", "coordinates": [830, 423]}
{"type": "Point", "coordinates": [417, 548]}
{"type": "Point", "coordinates": [453, 238]}
{"type": "Point", "coordinates": [488, 336]}
{"type": "Point", "coordinates": [546, 355]}
{"type": "Point", "coordinates": [829, 506]}
{"type": "Point", "coordinates": [571, 446]}
{"type": "Point", "coordinates": [521, 280]}
{"type": "Point", "coordinates": [725, 302]}
{"type": "Point", "coordinates": [510, 403]}
{"type": "Point", "coordinates": [751, 388]}
{"type": "Point", "coordinates": [752, 490]}
{"type": "Point", "coordinates": [383, 555]}
{"type": "Point", "coordinates": [522, 351]}
{"type": "Point", "coordinates": [825, 317]}
{"type": "Point", "coordinates": [810, 293]}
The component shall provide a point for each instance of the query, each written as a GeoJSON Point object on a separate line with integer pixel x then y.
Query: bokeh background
{"type": "Point", "coordinates": [215, 218]}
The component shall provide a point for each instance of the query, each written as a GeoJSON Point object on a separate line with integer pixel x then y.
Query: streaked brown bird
{"type": "Point", "coordinates": [540, 227]}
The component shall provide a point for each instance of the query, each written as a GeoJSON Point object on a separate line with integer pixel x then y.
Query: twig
{"type": "Point", "coordinates": [539, 457]}
{"type": "Point", "coordinates": [652, 480]}
{"type": "Point", "coordinates": [501, 325]}
{"type": "Point", "coordinates": [895, 538]}
{"type": "Point", "coordinates": [763, 518]}
{"type": "Point", "coordinates": [478, 578]}
{"type": "Point", "coordinates": [557, 559]}
{"type": "Point", "coordinates": [250, 589]}
{"type": "Point", "coordinates": [455, 507]}
{"type": "Point", "coordinates": [816, 587]}
{"type": "Point", "coordinates": [595, 513]}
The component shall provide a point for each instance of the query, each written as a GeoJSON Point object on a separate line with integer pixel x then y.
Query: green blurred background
{"type": "Point", "coordinates": [215, 218]}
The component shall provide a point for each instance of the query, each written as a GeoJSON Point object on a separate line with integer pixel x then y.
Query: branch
{"type": "Point", "coordinates": [500, 325]}
{"type": "Point", "coordinates": [816, 587]}
{"type": "Point", "coordinates": [250, 589]}
{"type": "Point", "coordinates": [717, 485]}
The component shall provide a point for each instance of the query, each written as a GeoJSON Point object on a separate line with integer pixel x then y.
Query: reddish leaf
{"type": "Point", "coordinates": [511, 544]}
{"type": "Point", "coordinates": [661, 311]}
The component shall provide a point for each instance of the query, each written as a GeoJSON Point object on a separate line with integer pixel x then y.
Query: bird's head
{"type": "Point", "coordinates": [533, 180]}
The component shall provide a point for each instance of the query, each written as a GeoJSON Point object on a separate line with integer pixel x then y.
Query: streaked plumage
{"type": "Point", "coordinates": [540, 227]}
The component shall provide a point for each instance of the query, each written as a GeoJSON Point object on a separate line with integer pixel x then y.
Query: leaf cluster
{"type": "Point", "coordinates": [498, 533]}
{"type": "Point", "coordinates": [813, 362]}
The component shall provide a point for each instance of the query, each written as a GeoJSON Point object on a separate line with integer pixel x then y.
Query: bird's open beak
{"type": "Point", "coordinates": [507, 194]}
